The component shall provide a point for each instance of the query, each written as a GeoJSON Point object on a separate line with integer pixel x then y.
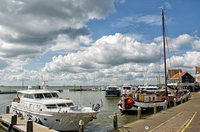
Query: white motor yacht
{"type": "Point", "coordinates": [113, 91]}
{"type": "Point", "coordinates": [45, 107]}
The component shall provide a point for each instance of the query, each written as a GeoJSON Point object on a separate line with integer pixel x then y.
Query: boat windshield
{"type": "Point", "coordinates": [38, 96]}
{"type": "Point", "coordinates": [70, 104]}
{"type": "Point", "coordinates": [112, 88]}
{"type": "Point", "coordinates": [51, 106]}
{"type": "Point", "coordinates": [61, 105]}
{"type": "Point", "coordinates": [55, 95]}
{"type": "Point", "coordinates": [47, 95]}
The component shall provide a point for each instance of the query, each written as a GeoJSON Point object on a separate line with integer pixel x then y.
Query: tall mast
{"type": "Point", "coordinates": [163, 25]}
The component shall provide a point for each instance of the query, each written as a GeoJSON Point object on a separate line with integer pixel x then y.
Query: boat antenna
{"type": "Point", "coordinates": [44, 82]}
{"type": "Point", "coordinates": [165, 69]}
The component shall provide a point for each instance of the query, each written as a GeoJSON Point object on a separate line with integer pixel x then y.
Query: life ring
{"type": "Point", "coordinates": [128, 103]}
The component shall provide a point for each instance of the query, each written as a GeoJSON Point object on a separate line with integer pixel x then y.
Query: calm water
{"type": "Point", "coordinates": [104, 121]}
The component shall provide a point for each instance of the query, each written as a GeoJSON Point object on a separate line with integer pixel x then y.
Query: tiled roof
{"type": "Point", "coordinates": [176, 76]}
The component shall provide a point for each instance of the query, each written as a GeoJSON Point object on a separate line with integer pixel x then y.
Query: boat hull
{"type": "Point", "coordinates": [65, 121]}
{"type": "Point", "coordinates": [144, 106]}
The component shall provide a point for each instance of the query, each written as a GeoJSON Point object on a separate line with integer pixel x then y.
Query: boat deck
{"type": "Point", "coordinates": [183, 118]}
{"type": "Point", "coordinates": [21, 124]}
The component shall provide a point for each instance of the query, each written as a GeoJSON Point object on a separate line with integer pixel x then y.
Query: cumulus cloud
{"type": "Point", "coordinates": [41, 23]}
{"type": "Point", "coordinates": [196, 43]}
{"type": "Point", "coordinates": [182, 40]}
{"type": "Point", "coordinates": [108, 51]}
{"type": "Point", "coordinates": [189, 59]}
{"type": "Point", "coordinates": [120, 59]}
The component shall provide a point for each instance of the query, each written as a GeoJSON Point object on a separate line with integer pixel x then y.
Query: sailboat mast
{"type": "Point", "coordinates": [163, 25]}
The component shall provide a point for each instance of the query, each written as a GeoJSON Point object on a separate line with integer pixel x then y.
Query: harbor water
{"type": "Point", "coordinates": [104, 121]}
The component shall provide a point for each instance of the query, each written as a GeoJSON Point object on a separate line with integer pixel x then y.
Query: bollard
{"type": "Point", "coordinates": [14, 120]}
{"type": "Point", "coordinates": [7, 109]}
{"type": "Point", "coordinates": [81, 126]}
{"type": "Point", "coordinates": [139, 113]}
{"type": "Point", "coordinates": [29, 126]}
{"type": "Point", "coordinates": [115, 123]}
{"type": "Point", "coordinates": [154, 108]}
{"type": "Point", "coordinates": [186, 99]}
{"type": "Point", "coordinates": [165, 105]}
{"type": "Point", "coordinates": [174, 101]}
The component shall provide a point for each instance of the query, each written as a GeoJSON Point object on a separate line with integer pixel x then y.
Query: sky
{"type": "Point", "coordinates": [96, 42]}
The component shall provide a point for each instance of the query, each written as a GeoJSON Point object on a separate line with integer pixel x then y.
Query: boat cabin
{"type": "Point", "coordinates": [38, 94]}
{"type": "Point", "coordinates": [148, 89]}
{"type": "Point", "coordinates": [48, 99]}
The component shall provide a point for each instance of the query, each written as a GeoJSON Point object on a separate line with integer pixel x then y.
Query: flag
{"type": "Point", "coordinates": [17, 95]}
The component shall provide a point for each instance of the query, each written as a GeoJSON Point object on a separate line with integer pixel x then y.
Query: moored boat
{"type": "Point", "coordinates": [113, 91]}
{"type": "Point", "coordinates": [45, 107]}
{"type": "Point", "coordinates": [128, 89]}
{"type": "Point", "coordinates": [144, 99]}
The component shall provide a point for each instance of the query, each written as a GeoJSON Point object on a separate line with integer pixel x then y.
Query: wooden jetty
{"type": "Point", "coordinates": [182, 118]}
{"type": "Point", "coordinates": [8, 92]}
{"type": "Point", "coordinates": [6, 121]}
{"type": "Point", "coordinates": [80, 89]}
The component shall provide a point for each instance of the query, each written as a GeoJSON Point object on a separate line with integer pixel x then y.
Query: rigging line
{"type": "Point", "coordinates": [175, 57]}
{"type": "Point", "coordinates": [167, 45]}
{"type": "Point", "coordinates": [171, 54]}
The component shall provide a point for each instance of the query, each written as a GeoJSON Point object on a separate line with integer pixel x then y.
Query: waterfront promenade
{"type": "Point", "coordinates": [183, 118]}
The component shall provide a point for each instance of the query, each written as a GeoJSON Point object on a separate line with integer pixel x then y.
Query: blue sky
{"type": "Point", "coordinates": [92, 42]}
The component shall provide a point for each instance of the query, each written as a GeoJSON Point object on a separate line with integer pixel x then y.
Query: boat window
{"type": "Point", "coordinates": [112, 88]}
{"type": "Point", "coordinates": [127, 88]}
{"type": "Point", "coordinates": [38, 96]}
{"type": "Point", "coordinates": [61, 105]}
{"type": "Point", "coordinates": [47, 95]}
{"type": "Point", "coordinates": [30, 96]}
{"type": "Point", "coordinates": [151, 89]}
{"type": "Point", "coordinates": [70, 104]}
{"type": "Point", "coordinates": [52, 106]}
{"type": "Point", "coordinates": [55, 95]}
